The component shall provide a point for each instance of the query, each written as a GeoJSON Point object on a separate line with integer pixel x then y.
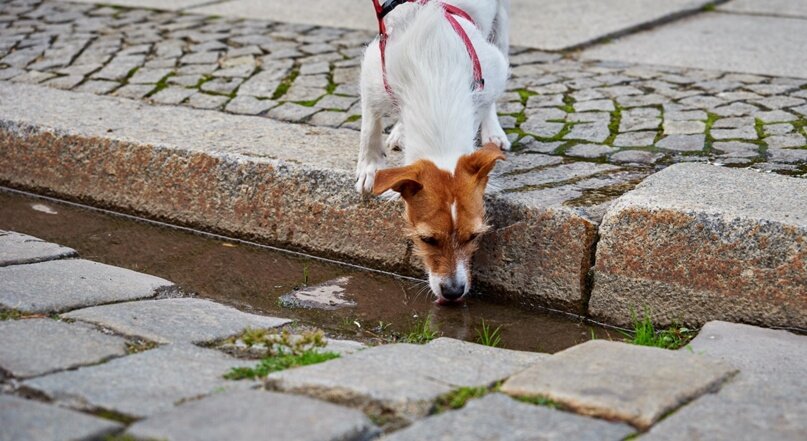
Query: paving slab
{"type": "Point", "coordinates": [716, 41]}
{"type": "Point", "coordinates": [175, 320]}
{"type": "Point", "coordinates": [695, 243]}
{"type": "Point", "coordinates": [787, 8]}
{"type": "Point", "coordinates": [402, 381]}
{"type": "Point", "coordinates": [620, 381]}
{"type": "Point", "coordinates": [17, 248]}
{"type": "Point", "coordinates": [251, 415]}
{"type": "Point", "coordinates": [143, 384]}
{"type": "Point", "coordinates": [499, 417]}
{"type": "Point", "coordinates": [764, 401]}
{"type": "Point", "coordinates": [562, 24]}
{"type": "Point", "coordinates": [171, 5]}
{"type": "Point", "coordinates": [61, 285]}
{"type": "Point", "coordinates": [34, 347]}
{"type": "Point", "coordinates": [27, 420]}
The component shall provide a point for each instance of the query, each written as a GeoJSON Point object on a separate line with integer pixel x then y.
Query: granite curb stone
{"type": "Point", "coordinates": [32, 347]}
{"type": "Point", "coordinates": [186, 320]}
{"type": "Point", "coordinates": [17, 248]}
{"type": "Point", "coordinates": [696, 242]}
{"type": "Point", "coordinates": [60, 285]}
{"type": "Point", "coordinates": [253, 415]}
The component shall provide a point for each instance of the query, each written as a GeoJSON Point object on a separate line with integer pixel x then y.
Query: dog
{"type": "Point", "coordinates": [440, 68]}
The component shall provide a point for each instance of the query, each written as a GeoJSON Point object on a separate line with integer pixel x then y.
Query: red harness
{"type": "Point", "coordinates": [450, 12]}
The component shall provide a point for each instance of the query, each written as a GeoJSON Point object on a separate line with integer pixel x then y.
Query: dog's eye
{"type": "Point", "coordinates": [428, 240]}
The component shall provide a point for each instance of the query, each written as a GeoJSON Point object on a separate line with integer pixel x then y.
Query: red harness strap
{"type": "Point", "coordinates": [451, 12]}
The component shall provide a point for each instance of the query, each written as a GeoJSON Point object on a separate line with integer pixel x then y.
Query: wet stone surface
{"type": "Point", "coordinates": [16, 248]}
{"type": "Point", "coordinates": [309, 74]}
{"type": "Point", "coordinates": [328, 295]}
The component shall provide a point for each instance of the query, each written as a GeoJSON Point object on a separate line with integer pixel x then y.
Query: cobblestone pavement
{"type": "Point", "coordinates": [154, 368]}
{"type": "Point", "coordinates": [580, 111]}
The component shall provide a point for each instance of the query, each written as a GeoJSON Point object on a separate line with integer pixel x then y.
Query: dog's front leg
{"type": "Point", "coordinates": [371, 150]}
{"type": "Point", "coordinates": [491, 130]}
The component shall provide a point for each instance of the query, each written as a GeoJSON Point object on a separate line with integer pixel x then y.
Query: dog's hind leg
{"type": "Point", "coordinates": [491, 130]}
{"type": "Point", "coordinates": [395, 138]}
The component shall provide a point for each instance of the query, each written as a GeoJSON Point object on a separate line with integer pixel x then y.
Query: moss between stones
{"type": "Point", "coordinates": [286, 83]}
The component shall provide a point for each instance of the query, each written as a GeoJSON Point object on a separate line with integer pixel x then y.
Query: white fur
{"type": "Point", "coordinates": [431, 76]}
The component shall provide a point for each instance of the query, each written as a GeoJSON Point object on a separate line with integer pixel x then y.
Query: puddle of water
{"type": "Point", "coordinates": [254, 279]}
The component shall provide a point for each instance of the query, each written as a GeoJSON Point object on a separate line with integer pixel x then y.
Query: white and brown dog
{"type": "Point", "coordinates": [439, 66]}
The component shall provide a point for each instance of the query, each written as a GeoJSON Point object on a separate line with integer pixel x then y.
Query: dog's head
{"type": "Point", "coordinates": [446, 214]}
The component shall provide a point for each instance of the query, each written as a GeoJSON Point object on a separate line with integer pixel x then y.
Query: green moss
{"type": "Point", "coordinates": [162, 84]}
{"type": "Point", "coordinates": [568, 104]}
{"type": "Point", "coordinates": [709, 8]}
{"type": "Point", "coordinates": [613, 125]}
{"type": "Point", "coordinates": [457, 398]}
{"type": "Point", "coordinates": [284, 85]}
{"type": "Point", "coordinates": [280, 362]}
{"type": "Point", "coordinates": [10, 314]}
{"type": "Point", "coordinates": [114, 416]}
{"type": "Point", "coordinates": [133, 347]}
{"type": "Point", "coordinates": [539, 400]}
{"type": "Point", "coordinates": [353, 118]}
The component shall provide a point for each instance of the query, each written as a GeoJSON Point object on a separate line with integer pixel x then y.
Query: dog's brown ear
{"type": "Point", "coordinates": [404, 180]}
{"type": "Point", "coordinates": [481, 162]}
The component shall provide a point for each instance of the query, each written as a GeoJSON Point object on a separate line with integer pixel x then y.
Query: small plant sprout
{"type": "Point", "coordinates": [645, 334]}
{"type": "Point", "coordinates": [283, 351]}
{"type": "Point", "coordinates": [458, 398]}
{"type": "Point", "coordinates": [305, 275]}
{"type": "Point", "coordinates": [488, 336]}
{"type": "Point", "coordinates": [422, 332]}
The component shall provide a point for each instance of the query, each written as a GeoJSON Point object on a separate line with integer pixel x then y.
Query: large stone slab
{"type": "Point", "coordinates": [619, 381]}
{"type": "Point", "coordinates": [143, 384]}
{"type": "Point", "coordinates": [253, 415]}
{"type": "Point", "coordinates": [764, 401]}
{"type": "Point", "coordinates": [175, 320]}
{"type": "Point", "coordinates": [61, 285]}
{"type": "Point", "coordinates": [717, 41]}
{"type": "Point", "coordinates": [17, 248]}
{"type": "Point", "coordinates": [695, 242]}
{"type": "Point", "coordinates": [171, 5]}
{"type": "Point", "coordinates": [499, 417]}
{"type": "Point", "coordinates": [288, 185]}
{"type": "Point", "coordinates": [34, 347]}
{"type": "Point", "coordinates": [767, 7]}
{"type": "Point", "coordinates": [401, 381]}
{"type": "Point", "coordinates": [27, 420]}
{"type": "Point", "coordinates": [562, 24]}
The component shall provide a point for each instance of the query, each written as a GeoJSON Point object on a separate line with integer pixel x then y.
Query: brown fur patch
{"type": "Point", "coordinates": [441, 239]}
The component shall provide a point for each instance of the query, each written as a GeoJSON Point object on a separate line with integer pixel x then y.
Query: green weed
{"type": "Point", "coordinates": [458, 397]}
{"type": "Point", "coordinates": [422, 332]}
{"type": "Point", "coordinates": [283, 351]}
{"type": "Point", "coordinates": [280, 362]}
{"type": "Point", "coordinates": [488, 336]}
{"type": "Point", "coordinates": [10, 314]}
{"type": "Point", "coordinates": [539, 401]}
{"type": "Point", "coordinates": [645, 334]}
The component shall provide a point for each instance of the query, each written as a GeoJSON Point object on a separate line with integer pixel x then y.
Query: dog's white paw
{"type": "Point", "coordinates": [365, 176]}
{"type": "Point", "coordinates": [395, 138]}
{"type": "Point", "coordinates": [500, 139]}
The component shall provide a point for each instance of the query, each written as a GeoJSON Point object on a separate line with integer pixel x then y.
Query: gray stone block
{"type": "Point", "coordinates": [34, 347]}
{"type": "Point", "coordinates": [253, 415]}
{"type": "Point", "coordinates": [498, 417]}
{"type": "Point", "coordinates": [17, 248]}
{"type": "Point", "coordinates": [682, 143]}
{"type": "Point", "coordinates": [61, 285]}
{"type": "Point", "coordinates": [695, 243]}
{"type": "Point", "coordinates": [403, 380]}
{"type": "Point", "coordinates": [620, 381]}
{"type": "Point", "coordinates": [27, 420]}
{"type": "Point", "coordinates": [143, 384]}
{"type": "Point", "coordinates": [764, 401]}
{"type": "Point", "coordinates": [174, 320]}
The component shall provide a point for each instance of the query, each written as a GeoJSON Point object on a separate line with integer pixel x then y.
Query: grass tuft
{"type": "Point", "coordinates": [645, 334]}
{"type": "Point", "coordinates": [283, 351]}
{"type": "Point", "coordinates": [488, 336]}
{"type": "Point", "coordinates": [10, 314]}
{"type": "Point", "coordinates": [422, 331]}
{"type": "Point", "coordinates": [539, 400]}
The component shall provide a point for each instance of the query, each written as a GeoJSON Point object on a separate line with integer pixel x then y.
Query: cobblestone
{"type": "Point", "coordinates": [284, 66]}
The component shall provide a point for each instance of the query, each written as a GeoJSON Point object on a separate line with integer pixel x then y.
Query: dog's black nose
{"type": "Point", "coordinates": [452, 291]}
